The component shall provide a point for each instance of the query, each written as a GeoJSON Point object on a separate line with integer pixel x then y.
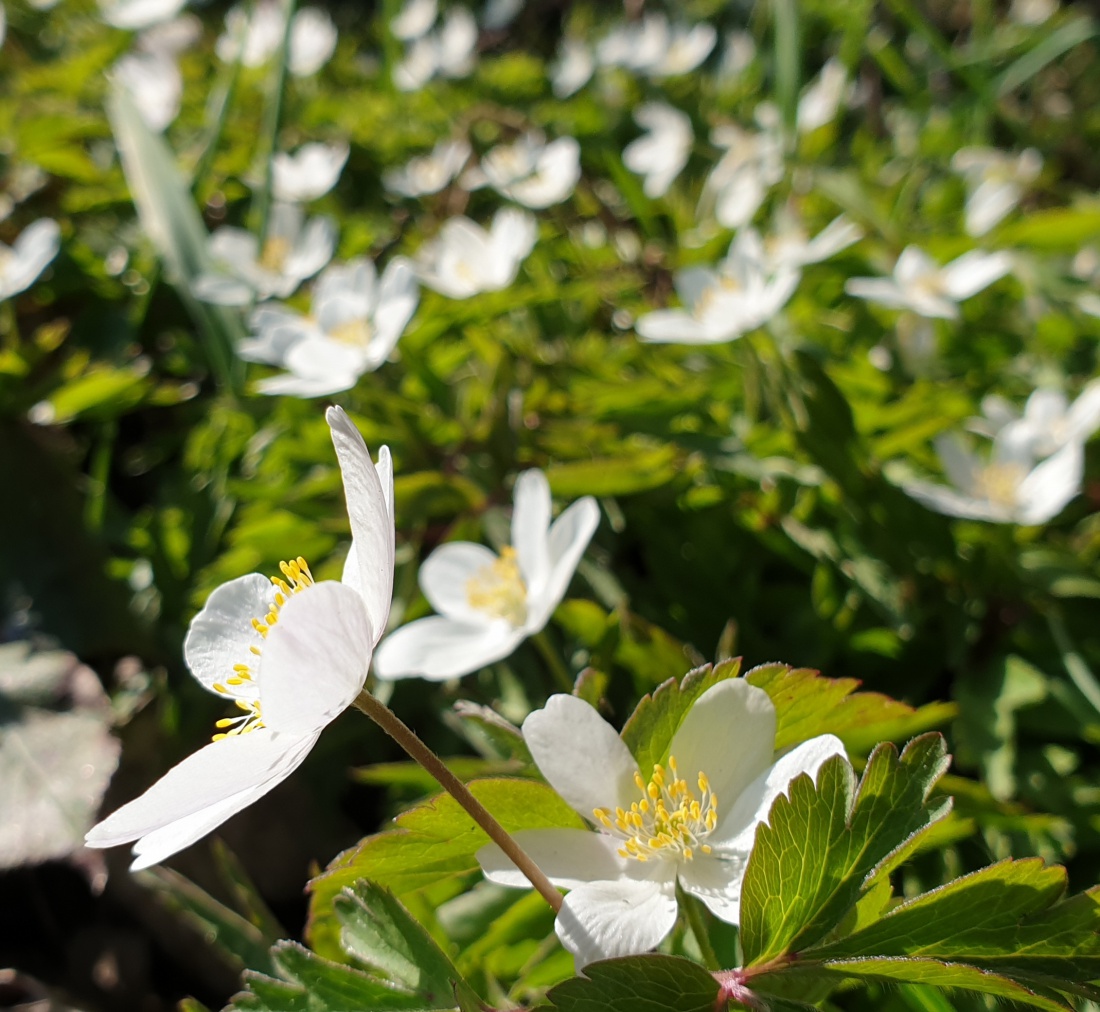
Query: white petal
{"type": "Point", "coordinates": [1084, 417]}
{"type": "Point", "coordinates": [973, 271]}
{"type": "Point", "coordinates": [221, 634]}
{"type": "Point", "coordinates": [602, 920]}
{"type": "Point", "coordinates": [581, 755]}
{"type": "Point", "coordinates": [736, 830]}
{"type": "Point", "coordinates": [372, 528]}
{"type": "Point", "coordinates": [881, 290]}
{"type": "Point", "coordinates": [568, 857]}
{"type": "Point", "coordinates": [438, 648]}
{"type": "Point", "coordinates": [445, 574]}
{"type": "Point", "coordinates": [569, 536]}
{"type": "Point", "coordinates": [959, 464]}
{"type": "Point", "coordinates": [530, 526]}
{"type": "Point", "coordinates": [220, 771]}
{"type": "Point", "coordinates": [717, 879]}
{"type": "Point", "coordinates": [1045, 491]}
{"type": "Point", "coordinates": [292, 385]}
{"type": "Point", "coordinates": [671, 326]}
{"type": "Point", "coordinates": [955, 504]}
{"type": "Point", "coordinates": [728, 734]}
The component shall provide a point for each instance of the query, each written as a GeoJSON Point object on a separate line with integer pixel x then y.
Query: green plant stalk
{"type": "Point", "coordinates": [401, 733]}
{"type": "Point", "coordinates": [692, 908]}
{"type": "Point", "coordinates": [269, 130]}
{"type": "Point", "coordinates": [553, 661]}
{"type": "Point", "coordinates": [785, 15]}
{"type": "Point", "coordinates": [217, 111]}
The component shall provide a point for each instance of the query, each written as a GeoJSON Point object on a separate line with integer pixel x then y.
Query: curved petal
{"type": "Point", "coordinates": [290, 384]}
{"type": "Point", "coordinates": [438, 648]}
{"type": "Point", "coordinates": [729, 734]}
{"type": "Point", "coordinates": [320, 359]}
{"type": "Point", "coordinates": [1044, 493]}
{"type": "Point", "coordinates": [315, 658]}
{"type": "Point", "coordinates": [444, 576]}
{"type": "Point", "coordinates": [221, 635]}
{"type": "Point", "coordinates": [671, 326]}
{"type": "Point", "coordinates": [371, 514]}
{"type": "Point", "coordinates": [568, 857]}
{"type": "Point", "coordinates": [969, 274]}
{"type": "Point", "coordinates": [736, 829]}
{"type": "Point", "coordinates": [530, 526]}
{"type": "Point", "coordinates": [568, 538]}
{"type": "Point", "coordinates": [581, 755]}
{"type": "Point", "coordinates": [602, 920]}
{"type": "Point", "coordinates": [717, 879]}
{"type": "Point", "coordinates": [231, 767]}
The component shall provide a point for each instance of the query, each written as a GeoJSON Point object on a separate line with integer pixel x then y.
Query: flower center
{"type": "Point", "coordinates": [999, 483]}
{"type": "Point", "coordinates": [242, 683]}
{"type": "Point", "coordinates": [356, 332]}
{"type": "Point", "coordinates": [670, 822]}
{"type": "Point", "coordinates": [498, 589]}
{"type": "Point", "coordinates": [274, 254]}
{"type": "Point", "coordinates": [710, 295]}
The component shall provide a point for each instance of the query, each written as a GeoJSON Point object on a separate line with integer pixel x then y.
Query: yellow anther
{"type": "Point", "coordinates": [706, 848]}
{"type": "Point", "coordinates": [499, 590]}
{"type": "Point", "coordinates": [638, 781]}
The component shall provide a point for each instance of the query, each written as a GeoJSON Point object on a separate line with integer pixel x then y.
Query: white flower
{"type": "Point", "coordinates": [738, 56]}
{"type": "Point", "coordinates": [172, 37]}
{"type": "Point", "coordinates": [414, 19]}
{"type": "Point", "coordinates": [1031, 13]}
{"type": "Point", "coordinates": [309, 173]}
{"type": "Point", "coordinates": [573, 68]}
{"type": "Point", "coordinates": [254, 40]}
{"type": "Point", "coordinates": [464, 259]}
{"type": "Point", "coordinates": [292, 252]}
{"type": "Point", "coordinates": [532, 172]}
{"type": "Point", "coordinates": [739, 183]}
{"type": "Point", "coordinates": [821, 100]}
{"type": "Point", "coordinates": [662, 153]}
{"type": "Point", "coordinates": [724, 302]}
{"type": "Point", "coordinates": [789, 245]}
{"type": "Point", "coordinates": [693, 823]}
{"type": "Point", "coordinates": [312, 41]}
{"type": "Point", "coordinates": [921, 285]}
{"type": "Point", "coordinates": [488, 604]}
{"type": "Point", "coordinates": [155, 85]}
{"type": "Point", "coordinates": [1048, 421]}
{"type": "Point", "coordinates": [995, 183]}
{"type": "Point", "coordinates": [134, 15]}
{"type": "Point", "coordinates": [355, 326]}
{"type": "Point", "coordinates": [654, 48]}
{"type": "Point", "coordinates": [291, 655]}
{"type": "Point", "coordinates": [1008, 488]}
{"type": "Point", "coordinates": [27, 257]}
{"type": "Point", "coordinates": [428, 173]}
{"type": "Point", "coordinates": [449, 51]}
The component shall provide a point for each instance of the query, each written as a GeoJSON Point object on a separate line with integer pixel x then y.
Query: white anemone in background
{"type": "Point", "coordinates": [28, 256]}
{"type": "Point", "coordinates": [428, 173]}
{"type": "Point", "coordinates": [356, 322]}
{"type": "Point", "coordinates": [922, 286]}
{"type": "Point", "coordinates": [255, 39]}
{"type": "Point", "coordinates": [449, 51]}
{"type": "Point", "coordinates": [293, 251]}
{"type": "Point", "coordinates": [573, 67]}
{"type": "Point", "coordinates": [740, 182]}
{"type": "Point", "coordinates": [820, 102]}
{"type": "Point", "coordinates": [155, 85]}
{"type": "Point", "coordinates": [692, 823]}
{"type": "Point", "coordinates": [788, 245]}
{"type": "Point", "coordinates": [995, 182]}
{"type": "Point", "coordinates": [530, 171]}
{"type": "Point", "coordinates": [414, 19]}
{"type": "Point", "coordinates": [309, 173]}
{"type": "Point", "coordinates": [133, 15]}
{"type": "Point", "coordinates": [312, 41]}
{"type": "Point", "coordinates": [291, 654]}
{"type": "Point", "coordinates": [1008, 487]}
{"type": "Point", "coordinates": [737, 57]}
{"type": "Point", "coordinates": [656, 49]}
{"type": "Point", "coordinates": [721, 303]}
{"type": "Point", "coordinates": [1048, 421]}
{"type": "Point", "coordinates": [465, 259]}
{"type": "Point", "coordinates": [487, 603]}
{"type": "Point", "coordinates": [662, 152]}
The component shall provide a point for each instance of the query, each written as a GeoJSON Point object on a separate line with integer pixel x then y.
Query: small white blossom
{"type": "Point", "coordinates": [656, 49]}
{"type": "Point", "coordinates": [724, 302]}
{"type": "Point", "coordinates": [293, 251]}
{"type": "Point", "coordinates": [356, 322]}
{"type": "Point", "coordinates": [414, 19]}
{"type": "Point", "coordinates": [738, 185]}
{"type": "Point", "coordinates": [739, 53]}
{"type": "Point", "coordinates": [573, 67]}
{"type": "Point", "coordinates": [133, 15]}
{"type": "Point", "coordinates": [788, 245]}
{"type": "Point", "coordinates": [488, 604]}
{"type": "Point", "coordinates": [255, 39]}
{"type": "Point", "coordinates": [821, 100]}
{"type": "Point", "coordinates": [309, 173]}
{"type": "Point", "coordinates": [155, 85]}
{"type": "Point", "coordinates": [660, 154]}
{"type": "Point", "coordinates": [692, 824]}
{"type": "Point", "coordinates": [465, 259]}
{"type": "Point", "coordinates": [429, 173]}
{"type": "Point", "coordinates": [995, 183]}
{"type": "Point", "coordinates": [28, 256]}
{"type": "Point", "coordinates": [290, 653]}
{"type": "Point", "coordinates": [449, 51]}
{"type": "Point", "coordinates": [1047, 423]}
{"type": "Point", "coordinates": [312, 41]}
{"type": "Point", "coordinates": [922, 286]}
{"type": "Point", "coordinates": [530, 171]}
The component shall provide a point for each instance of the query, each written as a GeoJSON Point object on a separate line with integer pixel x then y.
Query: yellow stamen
{"type": "Point", "coordinates": [498, 589]}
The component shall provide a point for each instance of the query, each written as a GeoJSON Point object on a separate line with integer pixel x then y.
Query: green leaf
{"type": "Point", "coordinates": [380, 933]}
{"type": "Point", "coordinates": [639, 984]}
{"type": "Point", "coordinates": [827, 843]}
{"type": "Point", "coordinates": [645, 468]}
{"type": "Point", "coordinates": [649, 729]}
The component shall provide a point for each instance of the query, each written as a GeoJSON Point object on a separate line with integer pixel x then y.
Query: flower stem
{"type": "Point", "coordinates": [401, 733]}
{"type": "Point", "coordinates": [694, 911]}
{"type": "Point", "coordinates": [553, 661]}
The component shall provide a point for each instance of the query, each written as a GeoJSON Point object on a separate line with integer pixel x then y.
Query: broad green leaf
{"type": "Point", "coordinates": [638, 984]}
{"type": "Point", "coordinates": [379, 932]}
{"type": "Point", "coordinates": [827, 842]}
{"type": "Point", "coordinates": [649, 730]}
{"type": "Point", "coordinates": [644, 468]}
{"type": "Point", "coordinates": [1054, 229]}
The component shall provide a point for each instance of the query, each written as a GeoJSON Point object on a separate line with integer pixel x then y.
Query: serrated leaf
{"type": "Point", "coordinates": [379, 932]}
{"type": "Point", "coordinates": [649, 729]}
{"type": "Point", "coordinates": [826, 843]}
{"type": "Point", "coordinates": [638, 984]}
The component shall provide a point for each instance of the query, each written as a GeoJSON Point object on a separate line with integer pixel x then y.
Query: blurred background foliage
{"type": "Point", "coordinates": [745, 508]}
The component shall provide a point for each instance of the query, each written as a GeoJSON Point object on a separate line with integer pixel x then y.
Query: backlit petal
{"type": "Point", "coordinates": [221, 634]}
{"type": "Point", "coordinates": [568, 538]}
{"type": "Point", "coordinates": [445, 574]}
{"type": "Point", "coordinates": [717, 879]}
{"type": "Point", "coordinates": [602, 920]}
{"type": "Point", "coordinates": [568, 857]}
{"type": "Point", "coordinates": [530, 525]}
{"type": "Point", "coordinates": [438, 648]}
